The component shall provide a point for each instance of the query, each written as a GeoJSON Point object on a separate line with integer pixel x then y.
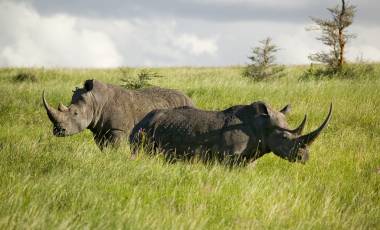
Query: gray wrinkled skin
{"type": "Point", "coordinates": [109, 111]}
{"type": "Point", "coordinates": [239, 134]}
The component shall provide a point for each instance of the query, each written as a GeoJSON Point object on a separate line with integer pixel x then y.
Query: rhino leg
{"type": "Point", "coordinates": [170, 157]}
{"type": "Point", "coordinates": [112, 139]}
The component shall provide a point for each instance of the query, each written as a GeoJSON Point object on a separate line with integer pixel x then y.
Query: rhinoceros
{"type": "Point", "coordinates": [239, 134]}
{"type": "Point", "coordinates": [109, 111]}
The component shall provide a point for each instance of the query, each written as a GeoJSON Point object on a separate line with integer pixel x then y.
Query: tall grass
{"type": "Point", "coordinates": [49, 182]}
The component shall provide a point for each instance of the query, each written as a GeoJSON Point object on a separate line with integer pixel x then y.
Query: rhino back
{"type": "Point", "coordinates": [125, 108]}
{"type": "Point", "coordinates": [183, 129]}
{"type": "Point", "coordinates": [189, 121]}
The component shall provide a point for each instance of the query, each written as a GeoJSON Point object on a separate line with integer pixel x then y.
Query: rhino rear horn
{"type": "Point", "coordinates": [62, 107]}
{"type": "Point", "coordinates": [286, 109]}
{"type": "Point", "coordinates": [310, 137]}
{"type": "Point", "coordinates": [53, 114]}
{"type": "Point", "coordinates": [300, 128]}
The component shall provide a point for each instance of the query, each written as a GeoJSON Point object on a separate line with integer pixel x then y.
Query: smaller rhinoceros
{"type": "Point", "coordinates": [239, 134]}
{"type": "Point", "coordinates": [109, 111]}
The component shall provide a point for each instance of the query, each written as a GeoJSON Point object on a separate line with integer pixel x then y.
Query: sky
{"type": "Point", "coordinates": [95, 33]}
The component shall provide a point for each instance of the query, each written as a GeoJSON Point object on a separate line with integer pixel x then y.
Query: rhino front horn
{"type": "Point", "coordinates": [53, 114]}
{"type": "Point", "coordinates": [310, 137]}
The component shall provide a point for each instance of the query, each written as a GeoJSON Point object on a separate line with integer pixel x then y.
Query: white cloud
{"type": "Point", "coordinates": [365, 45]}
{"type": "Point", "coordinates": [237, 39]}
{"type": "Point", "coordinates": [196, 45]}
{"type": "Point", "coordinates": [295, 43]}
{"type": "Point", "coordinates": [158, 42]}
{"type": "Point", "coordinates": [62, 40]}
{"type": "Point", "coordinates": [32, 40]}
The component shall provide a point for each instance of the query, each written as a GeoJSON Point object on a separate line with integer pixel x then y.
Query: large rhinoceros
{"type": "Point", "coordinates": [109, 111]}
{"type": "Point", "coordinates": [239, 134]}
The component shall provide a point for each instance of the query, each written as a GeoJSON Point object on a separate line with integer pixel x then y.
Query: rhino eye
{"type": "Point", "coordinates": [75, 113]}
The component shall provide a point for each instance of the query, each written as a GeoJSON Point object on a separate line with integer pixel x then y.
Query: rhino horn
{"type": "Point", "coordinates": [286, 109]}
{"type": "Point", "coordinates": [53, 114]}
{"type": "Point", "coordinates": [310, 137]}
{"type": "Point", "coordinates": [62, 107]}
{"type": "Point", "coordinates": [300, 128]}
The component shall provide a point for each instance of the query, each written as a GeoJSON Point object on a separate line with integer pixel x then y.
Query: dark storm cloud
{"type": "Point", "coordinates": [222, 10]}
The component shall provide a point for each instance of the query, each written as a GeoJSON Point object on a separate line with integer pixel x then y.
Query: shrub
{"type": "Point", "coordinates": [25, 77]}
{"type": "Point", "coordinates": [348, 71]}
{"type": "Point", "coordinates": [140, 81]}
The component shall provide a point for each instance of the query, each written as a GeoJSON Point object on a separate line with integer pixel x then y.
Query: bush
{"type": "Point", "coordinates": [348, 71]}
{"type": "Point", "coordinates": [140, 81]}
{"type": "Point", "coordinates": [263, 72]}
{"type": "Point", "coordinates": [25, 77]}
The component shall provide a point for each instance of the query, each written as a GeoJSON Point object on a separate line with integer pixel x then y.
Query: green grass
{"type": "Point", "coordinates": [49, 182]}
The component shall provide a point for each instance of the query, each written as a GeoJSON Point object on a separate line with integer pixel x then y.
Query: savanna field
{"type": "Point", "coordinates": [68, 183]}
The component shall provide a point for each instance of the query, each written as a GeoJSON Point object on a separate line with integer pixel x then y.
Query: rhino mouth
{"type": "Point", "coordinates": [58, 131]}
{"type": "Point", "coordinates": [299, 154]}
{"type": "Point", "coordinates": [302, 156]}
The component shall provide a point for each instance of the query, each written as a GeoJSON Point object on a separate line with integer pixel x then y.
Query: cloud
{"type": "Point", "coordinates": [32, 40]}
{"type": "Point", "coordinates": [63, 40]}
{"type": "Point", "coordinates": [236, 40]}
{"type": "Point", "coordinates": [196, 45]}
{"type": "Point", "coordinates": [157, 42]}
{"type": "Point", "coordinates": [365, 46]}
{"type": "Point", "coordinates": [295, 11]}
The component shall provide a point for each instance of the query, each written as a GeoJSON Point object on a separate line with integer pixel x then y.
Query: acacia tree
{"type": "Point", "coordinates": [334, 35]}
{"type": "Point", "coordinates": [263, 61]}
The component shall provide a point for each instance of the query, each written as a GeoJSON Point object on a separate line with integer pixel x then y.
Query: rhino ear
{"type": "Point", "coordinates": [286, 109]}
{"type": "Point", "coordinates": [261, 109]}
{"type": "Point", "coordinates": [89, 84]}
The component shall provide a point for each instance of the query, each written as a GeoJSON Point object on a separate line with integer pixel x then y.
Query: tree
{"type": "Point", "coordinates": [263, 61]}
{"type": "Point", "coordinates": [334, 35]}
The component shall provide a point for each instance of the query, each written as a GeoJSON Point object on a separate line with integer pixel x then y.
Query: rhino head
{"type": "Point", "coordinates": [284, 142]}
{"type": "Point", "coordinates": [76, 117]}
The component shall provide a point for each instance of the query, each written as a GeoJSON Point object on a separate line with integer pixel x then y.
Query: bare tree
{"type": "Point", "coordinates": [263, 61]}
{"type": "Point", "coordinates": [334, 35]}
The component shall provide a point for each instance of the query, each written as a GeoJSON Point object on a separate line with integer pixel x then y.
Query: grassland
{"type": "Point", "coordinates": [48, 182]}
